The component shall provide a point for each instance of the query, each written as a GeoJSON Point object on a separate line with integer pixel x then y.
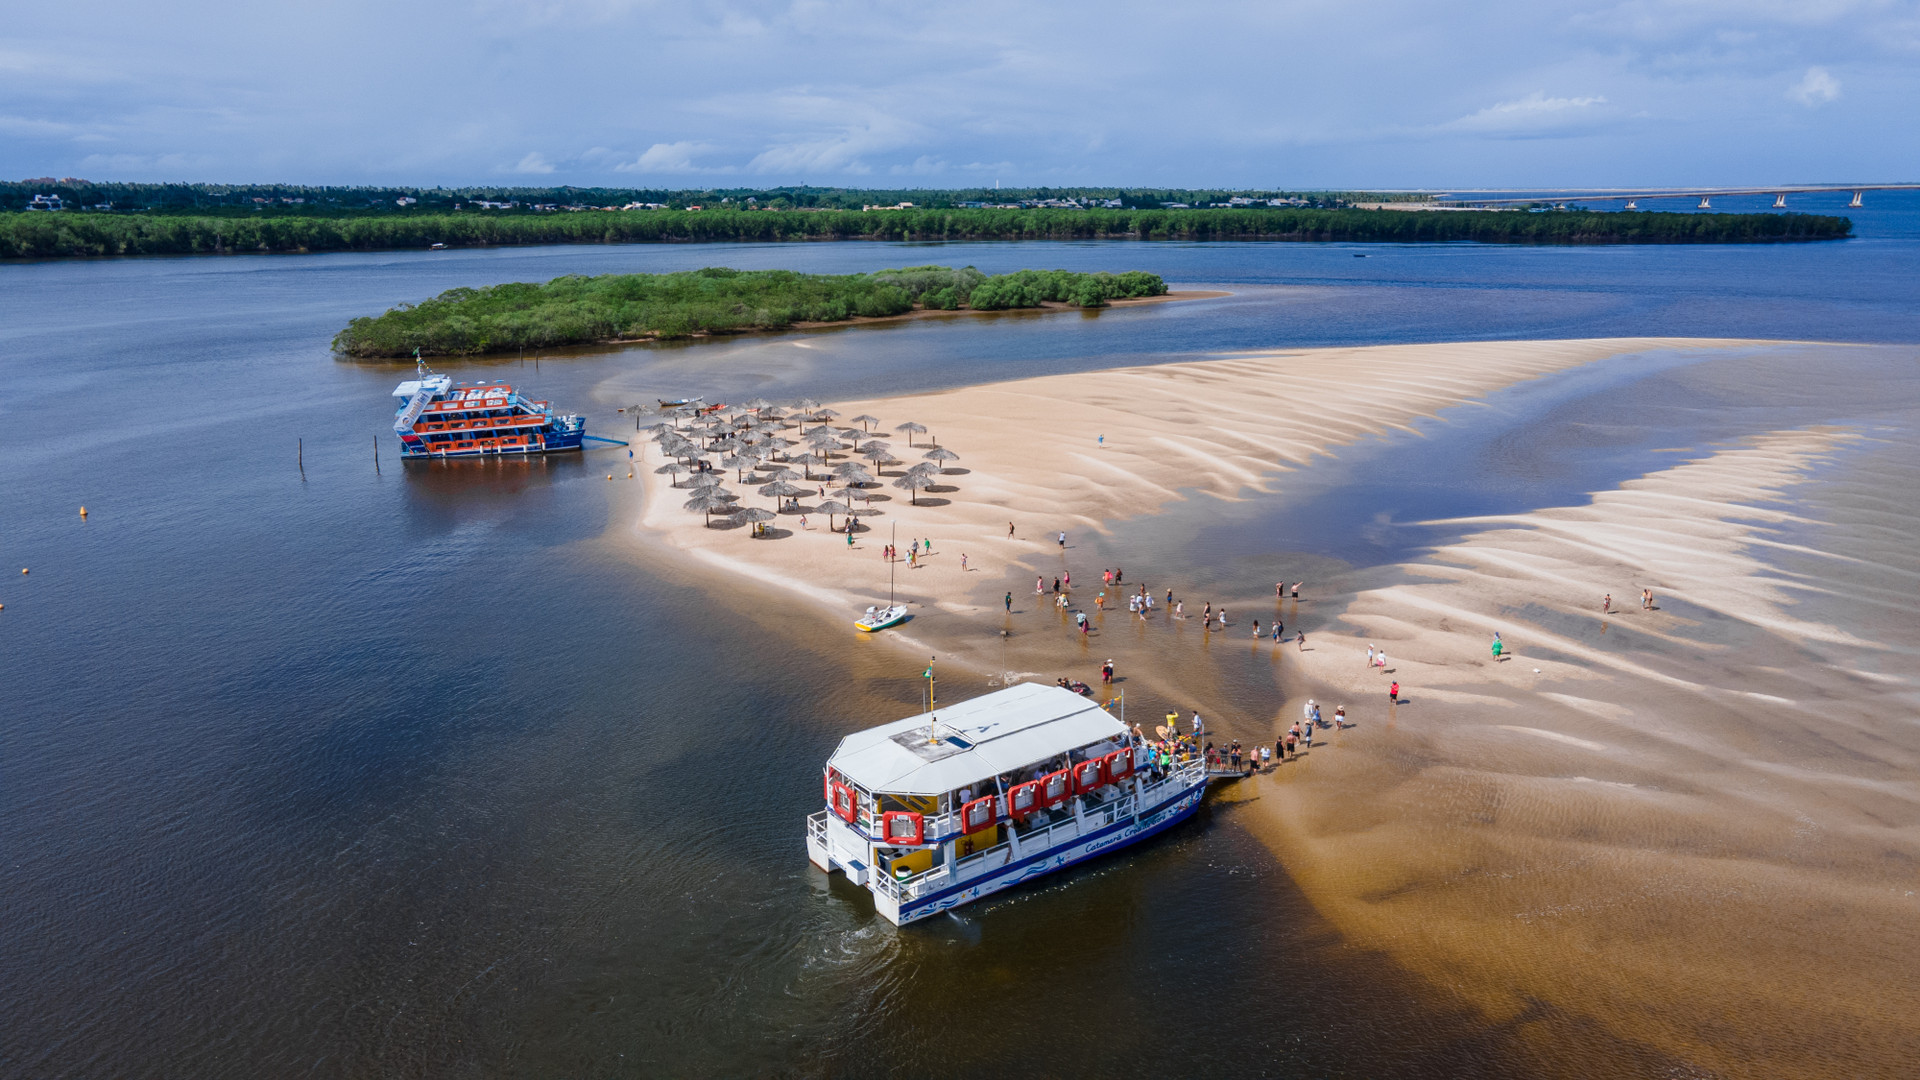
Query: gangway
{"type": "Point", "coordinates": [403, 424]}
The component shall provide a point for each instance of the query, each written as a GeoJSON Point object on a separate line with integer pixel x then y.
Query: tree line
{"type": "Point", "coordinates": [578, 310]}
{"type": "Point", "coordinates": [48, 235]}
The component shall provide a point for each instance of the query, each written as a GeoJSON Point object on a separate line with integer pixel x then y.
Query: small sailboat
{"type": "Point", "coordinates": [893, 614]}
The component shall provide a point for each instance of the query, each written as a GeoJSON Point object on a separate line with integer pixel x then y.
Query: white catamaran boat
{"type": "Point", "coordinates": [943, 808]}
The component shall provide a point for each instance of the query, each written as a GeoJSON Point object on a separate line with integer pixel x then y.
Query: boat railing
{"type": "Point", "coordinates": [817, 827]}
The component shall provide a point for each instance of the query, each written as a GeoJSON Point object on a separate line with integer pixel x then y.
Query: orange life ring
{"type": "Point", "coordinates": [1088, 775]}
{"type": "Point", "coordinates": [980, 814]}
{"type": "Point", "coordinates": [1117, 765]}
{"type": "Point", "coordinates": [841, 801]}
{"type": "Point", "coordinates": [902, 827]}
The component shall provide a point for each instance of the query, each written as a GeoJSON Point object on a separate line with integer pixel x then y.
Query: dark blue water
{"type": "Point", "coordinates": [354, 772]}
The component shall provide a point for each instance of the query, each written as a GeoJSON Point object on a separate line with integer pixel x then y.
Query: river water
{"type": "Point", "coordinates": [312, 765]}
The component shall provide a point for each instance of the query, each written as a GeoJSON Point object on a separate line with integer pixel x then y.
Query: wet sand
{"type": "Point", "coordinates": [1694, 828]}
{"type": "Point", "coordinates": [1669, 842]}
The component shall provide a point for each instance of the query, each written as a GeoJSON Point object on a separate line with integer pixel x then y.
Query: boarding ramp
{"type": "Point", "coordinates": [403, 424]}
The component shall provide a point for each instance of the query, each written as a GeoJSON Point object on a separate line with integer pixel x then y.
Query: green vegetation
{"type": "Point", "coordinates": [46, 235]}
{"type": "Point", "coordinates": [578, 310]}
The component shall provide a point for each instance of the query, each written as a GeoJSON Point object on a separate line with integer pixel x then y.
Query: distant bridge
{"type": "Point", "coordinates": [1632, 196]}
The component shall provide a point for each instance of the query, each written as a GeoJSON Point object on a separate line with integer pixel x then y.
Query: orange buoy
{"type": "Point", "coordinates": [83, 511]}
{"type": "Point", "coordinates": [609, 476]}
{"type": "Point", "coordinates": [23, 569]}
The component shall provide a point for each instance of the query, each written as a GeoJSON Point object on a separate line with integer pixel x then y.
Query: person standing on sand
{"type": "Point", "coordinates": [1101, 441]}
{"type": "Point", "coordinates": [1063, 541]}
{"type": "Point", "coordinates": [1606, 604]}
{"type": "Point", "coordinates": [1009, 603]}
{"type": "Point", "coordinates": [1106, 672]}
{"type": "Point", "coordinates": [1296, 589]}
{"type": "Point", "coordinates": [1279, 590]}
{"type": "Point", "coordinates": [1380, 660]}
{"type": "Point", "coordinates": [1066, 581]}
{"type": "Point", "coordinates": [1498, 645]}
{"type": "Point", "coordinates": [1340, 718]}
{"type": "Point", "coordinates": [1369, 654]}
{"type": "Point", "coordinates": [1393, 692]}
{"type": "Point", "coordinates": [1301, 637]}
{"type": "Point", "coordinates": [1118, 575]}
{"type": "Point", "coordinates": [913, 558]}
{"type": "Point", "coordinates": [849, 539]}
{"type": "Point", "coordinates": [1106, 578]}
{"type": "Point", "coordinates": [1293, 742]}
{"type": "Point", "coordinates": [1056, 586]}
{"type": "Point", "coordinates": [1278, 628]}
{"type": "Point", "coordinates": [927, 542]}
{"type": "Point", "coordinates": [1206, 615]}
{"type": "Point", "coordinates": [1009, 530]}
{"type": "Point", "coordinates": [1646, 599]}
{"type": "Point", "coordinates": [1223, 617]}
{"type": "Point", "coordinates": [963, 562]}
{"type": "Point", "coordinates": [1266, 758]}
{"type": "Point", "coordinates": [1039, 585]}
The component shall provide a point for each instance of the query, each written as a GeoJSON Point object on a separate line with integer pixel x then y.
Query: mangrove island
{"type": "Point", "coordinates": [579, 310]}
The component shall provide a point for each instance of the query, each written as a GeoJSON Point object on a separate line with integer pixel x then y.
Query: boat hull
{"type": "Point", "coordinates": [1022, 870]}
{"type": "Point", "coordinates": [882, 619]}
{"type": "Point", "coordinates": [556, 443]}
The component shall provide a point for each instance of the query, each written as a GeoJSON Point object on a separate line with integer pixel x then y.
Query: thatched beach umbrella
{"type": "Point", "coordinates": [705, 480]}
{"type": "Point", "coordinates": [832, 507]}
{"type": "Point", "coordinates": [806, 404]}
{"type": "Point", "coordinates": [710, 501]}
{"type": "Point", "coordinates": [863, 420]}
{"type": "Point", "coordinates": [758, 403]}
{"type": "Point", "coordinates": [756, 516]}
{"type": "Point", "coordinates": [673, 469]}
{"type": "Point", "coordinates": [781, 489]}
{"type": "Point", "coordinates": [807, 461]}
{"type": "Point", "coordinates": [911, 430]}
{"type": "Point", "coordinates": [942, 455]}
{"type": "Point", "coordinates": [913, 482]}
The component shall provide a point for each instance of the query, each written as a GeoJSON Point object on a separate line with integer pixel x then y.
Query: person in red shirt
{"type": "Point", "coordinates": [1393, 692]}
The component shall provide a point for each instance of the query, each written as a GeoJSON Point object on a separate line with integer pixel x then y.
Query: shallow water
{"type": "Point", "coordinates": [356, 772]}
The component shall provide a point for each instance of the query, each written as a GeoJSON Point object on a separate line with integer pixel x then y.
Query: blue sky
{"type": "Point", "coordinates": [1278, 94]}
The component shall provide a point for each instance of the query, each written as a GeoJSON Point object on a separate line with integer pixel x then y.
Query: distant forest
{"type": "Point", "coordinates": [302, 199]}
{"type": "Point", "coordinates": [63, 233]}
{"type": "Point", "coordinates": [578, 310]}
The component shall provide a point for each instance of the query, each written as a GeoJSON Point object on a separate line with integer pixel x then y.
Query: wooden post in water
{"type": "Point", "coordinates": [376, 453]}
{"type": "Point", "coordinates": [300, 454]}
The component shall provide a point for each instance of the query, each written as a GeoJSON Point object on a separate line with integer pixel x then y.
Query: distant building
{"type": "Point", "coordinates": [45, 202]}
{"type": "Point", "coordinates": [405, 200]}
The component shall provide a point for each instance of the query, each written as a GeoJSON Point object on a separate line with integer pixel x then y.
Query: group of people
{"type": "Point", "coordinates": [1646, 602]}
{"type": "Point", "coordinates": [1295, 741]}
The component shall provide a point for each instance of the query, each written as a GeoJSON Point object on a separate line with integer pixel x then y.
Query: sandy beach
{"type": "Point", "coordinates": [1684, 835]}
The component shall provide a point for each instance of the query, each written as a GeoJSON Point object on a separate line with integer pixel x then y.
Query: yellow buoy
{"type": "Point", "coordinates": [83, 511]}
{"type": "Point", "coordinates": [23, 569]}
{"type": "Point", "coordinates": [609, 476]}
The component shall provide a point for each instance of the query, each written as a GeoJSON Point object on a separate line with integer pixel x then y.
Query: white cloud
{"type": "Point", "coordinates": [924, 165]}
{"type": "Point", "coordinates": [1815, 88]}
{"type": "Point", "coordinates": [673, 157]}
{"type": "Point", "coordinates": [1534, 113]}
{"type": "Point", "coordinates": [534, 163]}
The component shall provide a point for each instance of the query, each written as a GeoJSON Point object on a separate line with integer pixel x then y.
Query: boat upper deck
{"type": "Point", "coordinates": [974, 740]}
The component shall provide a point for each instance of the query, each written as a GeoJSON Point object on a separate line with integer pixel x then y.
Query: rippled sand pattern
{"type": "Point", "coordinates": [1694, 829]}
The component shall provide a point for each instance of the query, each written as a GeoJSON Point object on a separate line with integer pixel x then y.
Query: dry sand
{"type": "Point", "coordinates": [1030, 456]}
{"type": "Point", "coordinates": [1693, 831]}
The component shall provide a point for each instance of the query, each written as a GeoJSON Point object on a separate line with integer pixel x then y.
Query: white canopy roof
{"type": "Point", "coordinates": [977, 740]}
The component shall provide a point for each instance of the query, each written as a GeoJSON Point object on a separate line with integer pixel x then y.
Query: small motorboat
{"type": "Point", "coordinates": [879, 618]}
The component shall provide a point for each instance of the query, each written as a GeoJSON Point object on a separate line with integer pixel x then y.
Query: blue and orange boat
{"type": "Point", "coordinates": [441, 419]}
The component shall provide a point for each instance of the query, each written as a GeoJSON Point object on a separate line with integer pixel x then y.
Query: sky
{"type": "Point", "coordinates": [1283, 94]}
